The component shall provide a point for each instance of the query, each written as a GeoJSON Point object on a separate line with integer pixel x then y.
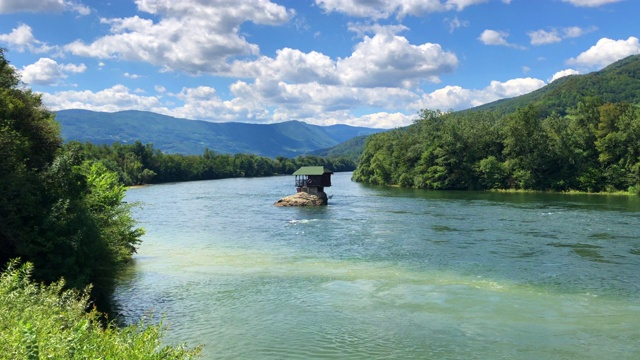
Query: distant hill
{"type": "Point", "coordinates": [617, 82]}
{"type": "Point", "coordinates": [173, 135]}
{"type": "Point", "coordinates": [350, 149]}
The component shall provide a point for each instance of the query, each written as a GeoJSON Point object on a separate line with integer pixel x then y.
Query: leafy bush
{"type": "Point", "coordinates": [46, 321]}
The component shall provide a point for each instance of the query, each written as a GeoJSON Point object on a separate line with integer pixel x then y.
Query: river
{"type": "Point", "coordinates": [386, 273]}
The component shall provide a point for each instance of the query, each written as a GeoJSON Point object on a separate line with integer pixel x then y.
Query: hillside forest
{"type": "Point", "coordinates": [594, 147]}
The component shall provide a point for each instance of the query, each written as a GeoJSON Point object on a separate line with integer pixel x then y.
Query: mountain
{"type": "Point", "coordinates": [350, 149]}
{"type": "Point", "coordinates": [173, 135]}
{"type": "Point", "coordinates": [617, 82]}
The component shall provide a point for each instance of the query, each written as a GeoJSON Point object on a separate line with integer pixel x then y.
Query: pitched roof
{"type": "Point", "coordinates": [312, 170]}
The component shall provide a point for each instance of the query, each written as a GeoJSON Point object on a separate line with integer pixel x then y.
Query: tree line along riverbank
{"type": "Point", "coordinates": [595, 147]}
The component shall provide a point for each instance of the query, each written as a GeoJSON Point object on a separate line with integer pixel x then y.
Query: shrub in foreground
{"type": "Point", "coordinates": [46, 321]}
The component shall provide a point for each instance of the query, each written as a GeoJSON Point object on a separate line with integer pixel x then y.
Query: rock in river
{"type": "Point", "coordinates": [301, 199]}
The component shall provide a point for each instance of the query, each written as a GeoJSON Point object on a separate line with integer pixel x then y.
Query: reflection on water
{"type": "Point", "coordinates": [387, 273]}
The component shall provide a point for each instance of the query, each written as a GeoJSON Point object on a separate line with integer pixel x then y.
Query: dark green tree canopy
{"type": "Point", "coordinates": [55, 210]}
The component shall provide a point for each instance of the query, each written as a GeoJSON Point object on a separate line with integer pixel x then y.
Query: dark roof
{"type": "Point", "coordinates": [312, 170]}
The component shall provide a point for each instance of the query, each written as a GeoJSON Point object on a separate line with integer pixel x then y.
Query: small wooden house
{"type": "Point", "coordinates": [313, 180]}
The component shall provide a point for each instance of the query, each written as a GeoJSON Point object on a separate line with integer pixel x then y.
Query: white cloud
{"type": "Point", "coordinates": [290, 65]}
{"type": "Point", "coordinates": [276, 101]}
{"type": "Point", "coordinates": [461, 4]}
{"type": "Point", "coordinates": [74, 68]}
{"type": "Point", "coordinates": [364, 29]}
{"type": "Point", "coordinates": [541, 37]}
{"type": "Point", "coordinates": [575, 31]}
{"type": "Point", "coordinates": [112, 99]}
{"type": "Point", "coordinates": [314, 98]}
{"type": "Point", "coordinates": [390, 60]}
{"type": "Point", "coordinates": [379, 9]}
{"type": "Point", "coordinates": [40, 6]}
{"type": "Point", "coordinates": [496, 38]}
{"type": "Point", "coordinates": [456, 23]}
{"type": "Point", "coordinates": [191, 35]}
{"type": "Point", "coordinates": [458, 98]}
{"type": "Point", "coordinates": [203, 103]}
{"type": "Point", "coordinates": [563, 73]}
{"type": "Point", "coordinates": [383, 120]}
{"type": "Point", "coordinates": [132, 76]}
{"type": "Point", "coordinates": [48, 72]}
{"type": "Point", "coordinates": [605, 52]}
{"type": "Point", "coordinates": [384, 60]}
{"type": "Point", "coordinates": [21, 38]}
{"type": "Point", "coordinates": [590, 3]}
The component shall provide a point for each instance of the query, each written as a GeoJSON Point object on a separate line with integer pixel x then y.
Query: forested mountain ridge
{"type": "Point", "coordinates": [350, 149]}
{"type": "Point", "coordinates": [181, 136]}
{"type": "Point", "coordinates": [617, 82]}
{"type": "Point", "coordinates": [586, 137]}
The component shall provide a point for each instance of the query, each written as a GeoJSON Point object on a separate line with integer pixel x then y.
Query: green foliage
{"type": "Point", "coordinates": [577, 133]}
{"type": "Point", "coordinates": [56, 211]}
{"type": "Point", "coordinates": [143, 164]}
{"type": "Point", "coordinates": [46, 321]}
{"type": "Point", "coordinates": [596, 147]}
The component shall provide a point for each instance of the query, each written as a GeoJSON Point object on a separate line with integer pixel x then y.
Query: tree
{"type": "Point", "coordinates": [59, 213]}
{"type": "Point", "coordinates": [525, 148]}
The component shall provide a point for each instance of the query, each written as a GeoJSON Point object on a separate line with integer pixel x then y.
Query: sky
{"type": "Point", "coordinates": [370, 63]}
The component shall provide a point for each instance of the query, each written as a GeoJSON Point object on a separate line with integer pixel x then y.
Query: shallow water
{"type": "Point", "coordinates": [384, 273]}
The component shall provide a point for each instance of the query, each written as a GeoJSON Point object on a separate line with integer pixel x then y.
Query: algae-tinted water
{"type": "Point", "coordinates": [385, 273]}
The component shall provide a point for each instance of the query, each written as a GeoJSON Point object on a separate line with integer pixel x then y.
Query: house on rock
{"type": "Point", "coordinates": [310, 182]}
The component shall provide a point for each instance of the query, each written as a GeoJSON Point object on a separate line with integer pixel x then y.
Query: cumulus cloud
{"type": "Point", "coordinates": [590, 3]}
{"type": "Point", "coordinates": [496, 38]}
{"type": "Point", "coordinates": [378, 9]}
{"type": "Point", "coordinates": [390, 60]}
{"type": "Point", "coordinates": [290, 65]}
{"type": "Point", "coordinates": [203, 103]}
{"type": "Point", "coordinates": [563, 73]}
{"type": "Point", "coordinates": [40, 6]}
{"type": "Point", "coordinates": [382, 60]}
{"type": "Point", "coordinates": [458, 98]}
{"type": "Point", "coordinates": [605, 52]}
{"type": "Point", "coordinates": [48, 72]}
{"type": "Point", "coordinates": [313, 98]}
{"type": "Point", "coordinates": [21, 39]}
{"type": "Point", "coordinates": [190, 35]}
{"type": "Point", "coordinates": [116, 98]}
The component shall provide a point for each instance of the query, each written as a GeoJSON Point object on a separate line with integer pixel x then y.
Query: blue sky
{"type": "Point", "coordinates": [359, 62]}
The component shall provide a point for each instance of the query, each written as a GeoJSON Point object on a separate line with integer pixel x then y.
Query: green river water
{"type": "Point", "coordinates": [386, 273]}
